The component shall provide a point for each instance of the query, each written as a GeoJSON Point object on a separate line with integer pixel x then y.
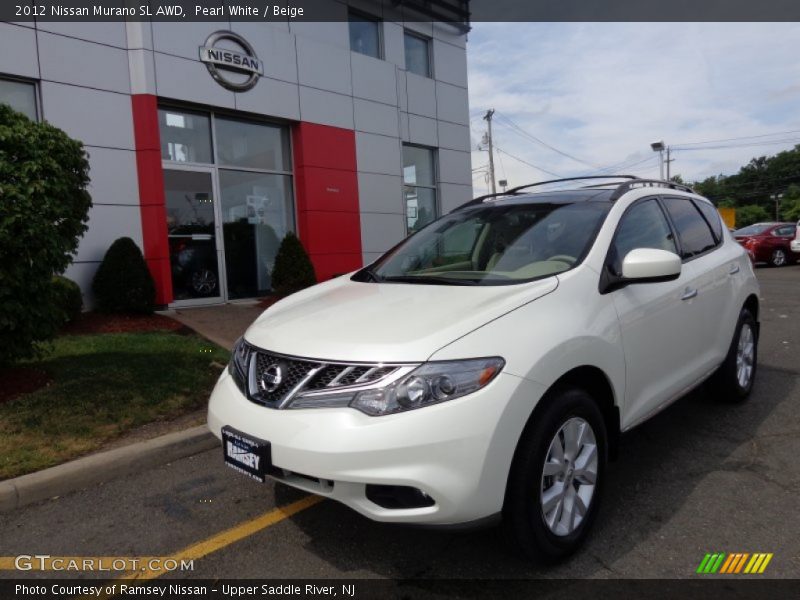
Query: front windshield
{"type": "Point", "coordinates": [756, 229]}
{"type": "Point", "coordinates": [495, 245]}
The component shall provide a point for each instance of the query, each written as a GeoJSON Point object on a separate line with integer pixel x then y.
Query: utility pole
{"type": "Point", "coordinates": [669, 160]}
{"type": "Point", "coordinates": [488, 118]}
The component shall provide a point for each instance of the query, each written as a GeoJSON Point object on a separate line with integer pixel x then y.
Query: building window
{"type": "Point", "coordinates": [365, 34]}
{"type": "Point", "coordinates": [19, 95]}
{"type": "Point", "coordinates": [419, 186]}
{"type": "Point", "coordinates": [185, 136]}
{"type": "Point", "coordinates": [229, 195]}
{"type": "Point", "coordinates": [418, 54]}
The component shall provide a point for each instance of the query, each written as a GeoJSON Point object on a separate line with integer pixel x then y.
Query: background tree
{"type": "Point", "coordinates": [756, 182]}
{"type": "Point", "coordinates": [44, 208]}
{"type": "Point", "coordinates": [752, 213]}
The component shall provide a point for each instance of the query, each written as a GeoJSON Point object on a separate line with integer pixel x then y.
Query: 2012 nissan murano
{"type": "Point", "coordinates": [487, 365]}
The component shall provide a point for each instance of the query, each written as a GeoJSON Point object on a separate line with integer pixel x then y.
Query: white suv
{"type": "Point", "coordinates": [487, 364]}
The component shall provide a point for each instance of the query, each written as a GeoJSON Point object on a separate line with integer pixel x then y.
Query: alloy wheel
{"type": "Point", "coordinates": [745, 355]}
{"type": "Point", "coordinates": [569, 476]}
{"type": "Point", "coordinates": [779, 258]}
{"type": "Point", "coordinates": [204, 281]}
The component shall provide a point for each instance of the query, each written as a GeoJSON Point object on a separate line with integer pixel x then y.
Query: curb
{"type": "Point", "coordinates": [104, 466]}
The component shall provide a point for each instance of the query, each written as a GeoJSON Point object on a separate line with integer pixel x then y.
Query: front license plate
{"type": "Point", "coordinates": [246, 454]}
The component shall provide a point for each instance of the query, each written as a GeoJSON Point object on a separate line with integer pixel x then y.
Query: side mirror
{"type": "Point", "coordinates": [644, 265]}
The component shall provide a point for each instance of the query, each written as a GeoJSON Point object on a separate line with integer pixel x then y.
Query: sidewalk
{"type": "Point", "coordinates": [222, 324]}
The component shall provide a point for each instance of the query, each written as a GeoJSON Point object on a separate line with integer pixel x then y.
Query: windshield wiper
{"type": "Point", "coordinates": [423, 279]}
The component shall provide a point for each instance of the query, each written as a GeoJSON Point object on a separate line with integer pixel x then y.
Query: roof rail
{"type": "Point", "coordinates": [515, 190]}
{"type": "Point", "coordinates": [629, 185]}
{"type": "Point", "coordinates": [621, 188]}
{"type": "Point", "coordinates": [528, 185]}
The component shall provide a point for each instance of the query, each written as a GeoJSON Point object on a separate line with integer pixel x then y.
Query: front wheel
{"type": "Point", "coordinates": [733, 381]}
{"type": "Point", "coordinates": [557, 476]}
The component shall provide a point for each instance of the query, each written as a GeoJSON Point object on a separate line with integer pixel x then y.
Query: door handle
{"type": "Point", "coordinates": [733, 270]}
{"type": "Point", "coordinates": [689, 293]}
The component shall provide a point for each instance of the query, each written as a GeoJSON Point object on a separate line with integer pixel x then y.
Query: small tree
{"type": "Point", "coordinates": [293, 270]}
{"type": "Point", "coordinates": [123, 283]}
{"type": "Point", "coordinates": [44, 208]}
{"type": "Point", "coordinates": [67, 297]}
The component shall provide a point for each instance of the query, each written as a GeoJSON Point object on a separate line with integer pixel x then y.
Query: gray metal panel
{"type": "Point", "coordinates": [77, 62]}
{"type": "Point", "coordinates": [380, 193]}
{"type": "Point", "coordinates": [452, 103]}
{"type": "Point", "coordinates": [21, 55]}
{"type": "Point", "coordinates": [323, 66]}
{"type": "Point", "coordinates": [379, 232]}
{"type": "Point", "coordinates": [189, 80]}
{"type": "Point", "coordinates": [378, 154]}
{"type": "Point", "coordinates": [326, 108]}
{"type": "Point", "coordinates": [374, 117]}
{"type": "Point", "coordinates": [95, 117]}
{"type": "Point", "coordinates": [422, 130]}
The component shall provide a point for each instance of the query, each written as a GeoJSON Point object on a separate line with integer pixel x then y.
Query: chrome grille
{"type": "Point", "coordinates": [298, 375]}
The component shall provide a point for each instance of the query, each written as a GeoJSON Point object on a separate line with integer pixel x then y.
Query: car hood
{"type": "Point", "coordinates": [346, 320]}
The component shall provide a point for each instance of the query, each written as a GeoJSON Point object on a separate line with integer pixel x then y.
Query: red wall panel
{"type": "Point", "coordinates": [151, 193]}
{"type": "Point", "coordinates": [329, 220]}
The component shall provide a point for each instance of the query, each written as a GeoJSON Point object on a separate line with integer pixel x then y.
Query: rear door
{"type": "Point", "coordinates": [716, 267]}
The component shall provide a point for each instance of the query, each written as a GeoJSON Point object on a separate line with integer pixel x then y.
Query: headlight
{"type": "Point", "coordinates": [428, 384]}
{"type": "Point", "coordinates": [237, 367]}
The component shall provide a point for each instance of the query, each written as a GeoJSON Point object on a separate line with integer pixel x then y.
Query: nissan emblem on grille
{"type": "Point", "coordinates": [271, 378]}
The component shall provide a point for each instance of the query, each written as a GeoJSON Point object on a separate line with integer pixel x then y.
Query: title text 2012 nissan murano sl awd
{"type": "Point", "coordinates": [486, 365]}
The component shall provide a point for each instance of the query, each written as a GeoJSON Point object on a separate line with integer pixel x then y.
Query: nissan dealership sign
{"type": "Point", "coordinates": [236, 70]}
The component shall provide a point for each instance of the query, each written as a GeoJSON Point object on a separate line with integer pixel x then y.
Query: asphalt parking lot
{"type": "Point", "coordinates": [700, 477]}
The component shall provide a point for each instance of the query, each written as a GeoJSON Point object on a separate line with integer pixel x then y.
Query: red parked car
{"type": "Point", "coordinates": [768, 242]}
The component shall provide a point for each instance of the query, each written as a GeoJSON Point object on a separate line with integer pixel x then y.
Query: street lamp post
{"type": "Point", "coordinates": [777, 199]}
{"type": "Point", "coordinates": [659, 147]}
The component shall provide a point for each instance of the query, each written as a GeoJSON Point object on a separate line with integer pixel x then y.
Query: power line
{"type": "Point", "coordinates": [744, 145]}
{"type": "Point", "coordinates": [514, 127]}
{"type": "Point", "coordinates": [748, 137]}
{"type": "Point", "coordinates": [525, 162]}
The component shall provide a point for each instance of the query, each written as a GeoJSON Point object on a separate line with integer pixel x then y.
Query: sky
{"type": "Point", "coordinates": [602, 92]}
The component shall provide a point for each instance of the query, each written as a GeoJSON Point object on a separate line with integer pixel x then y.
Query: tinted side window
{"type": "Point", "coordinates": [642, 226]}
{"type": "Point", "coordinates": [712, 216]}
{"type": "Point", "coordinates": [785, 231]}
{"type": "Point", "coordinates": [692, 228]}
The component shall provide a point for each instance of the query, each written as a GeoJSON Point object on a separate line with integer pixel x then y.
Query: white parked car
{"type": "Point", "coordinates": [486, 365]}
{"type": "Point", "coordinates": [795, 243]}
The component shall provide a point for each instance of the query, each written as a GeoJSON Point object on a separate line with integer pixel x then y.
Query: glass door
{"type": "Point", "coordinates": [192, 232]}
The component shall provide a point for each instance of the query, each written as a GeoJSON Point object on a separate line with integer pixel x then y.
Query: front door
{"type": "Point", "coordinates": [192, 233]}
{"type": "Point", "coordinates": [656, 319]}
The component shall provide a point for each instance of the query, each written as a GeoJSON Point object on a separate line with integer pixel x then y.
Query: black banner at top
{"type": "Point", "coordinates": [461, 13]}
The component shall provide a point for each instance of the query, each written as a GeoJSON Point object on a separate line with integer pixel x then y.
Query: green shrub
{"type": "Point", "coordinates": [123, 283]}
{"type": "Point", "coordinates": [67, 297]}
{"type": "Point", "coordinates": [293, 270]}
{"type": "Point", "coordinates": [44, 207]}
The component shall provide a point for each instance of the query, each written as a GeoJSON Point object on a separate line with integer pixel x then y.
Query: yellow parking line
{"type": "Point", "coordinates": [231, 536]}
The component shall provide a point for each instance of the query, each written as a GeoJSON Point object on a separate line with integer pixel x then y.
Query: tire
{"type": "Point", "coordinates": [545, 535]}
{"type": "Point", "coordinates": [779, 258]}
{"type": "Point", "coordinates": [728, 383]}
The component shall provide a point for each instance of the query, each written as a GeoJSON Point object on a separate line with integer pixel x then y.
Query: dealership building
{"type": "Point", "coordinates": [209, 141]}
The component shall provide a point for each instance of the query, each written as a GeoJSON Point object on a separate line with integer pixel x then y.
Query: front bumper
{"type": "Point", "coordinates": [457, 452]}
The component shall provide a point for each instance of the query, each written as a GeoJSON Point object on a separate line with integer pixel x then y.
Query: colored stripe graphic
{"type": "Point", "coordinates": [734, 563]}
